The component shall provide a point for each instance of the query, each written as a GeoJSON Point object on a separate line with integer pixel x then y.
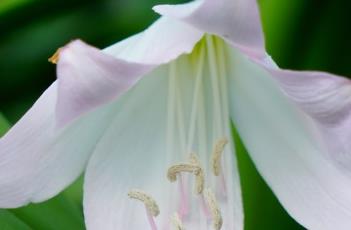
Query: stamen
{"type": "Point", "coordinates": [216, 155]}
{"type": "Point", "coordinates": [55, 57]}
{"type": "Point", "coordinates": [183, 167]}
{"type": "Point", "coordinates": [191, 168]}
{"type": "Point", "coordinates": [213, 206]}
{"type": "Point", "coordinates": [200, 181]}
{"type": "Point", "coordinates": [148, 201]}
{"type": "Point", "coordinates": [177, 222]}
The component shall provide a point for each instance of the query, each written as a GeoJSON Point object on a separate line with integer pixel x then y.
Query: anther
{"type": "Point", "coordinates": [55, 57]}
{"type": "Point", "coordinates": [217, 154]}
{"type": "Point", "coordinates": [148, 201]}
{"type": "Point", "coordinates": [200, 181]}
{"type": "Point", "coordinates": [214, 209]}
{"type": "Point", "coordinates": [191, 168]}
{"type": "Point", "coordinates": [177, 222]}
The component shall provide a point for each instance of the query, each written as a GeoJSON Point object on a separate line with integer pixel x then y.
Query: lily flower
{"type": "Point", "coordinates": [150, 117]}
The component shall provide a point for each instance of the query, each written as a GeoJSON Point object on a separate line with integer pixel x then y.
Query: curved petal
{"type": "Point", "coordinates": [237, 21]}
{"type": "Point", "coordinates": [38, 160]}
{"type": "Point", "coordinates": [37, 157]}
{"type": "Point", "coordinates": [88, 77]}
{"type": "Point", "coordinates": [326, 98]}
{"type": "Point", "coordinates": [147, 136]}
{"type": "Point", "coordinates": [162, 42]}
{"type": "Point", "coordinates": [285, 143]}
{"type": "Point", "coordinates": [131, 155]}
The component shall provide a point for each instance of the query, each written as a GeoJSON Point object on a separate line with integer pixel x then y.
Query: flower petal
{"type": "Point", "coordinates": [88, 77]}
{"type": "Point", "coordinates": [237, 21]}
{"type": "Point", "coordinates": [162, 42]}
{"type": "Point", "coordinates": [131, 155]}
{"type": "Point", "coordinates": [38, 160]}
{"type": "Point", "coordinates": [285, 143]}
{"type": "Point", "coordinates": [326, 98]}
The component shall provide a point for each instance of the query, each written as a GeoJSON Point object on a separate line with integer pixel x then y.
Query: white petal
{"type": "Point", "coordinates": [38, 160]}
{"type": "Point", "coordinates": [237, 21]}
{"type": "Point", "coordinates": [163, 41]}
{"type": "Point", "coordinates": [89, 78]}
{"type": "Point", "coordinates": [131, 155]}
{"type": "Point", "coordinates": [286, 147]}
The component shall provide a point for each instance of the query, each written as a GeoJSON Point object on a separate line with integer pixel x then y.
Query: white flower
{"type": "Point", "coordinates": [163, 101]}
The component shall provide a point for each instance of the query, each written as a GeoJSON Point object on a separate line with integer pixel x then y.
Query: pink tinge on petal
{"type": "Point", "coordinates": [326, 98]}
{"type": "Point", "coordinates": [38, 160]}
{"type": "Point", "coordinates": [237, 21]}
{"type": "Point", "coordinates": [88, 78]}
{"type": "Point", "coordinates": [296, 127]}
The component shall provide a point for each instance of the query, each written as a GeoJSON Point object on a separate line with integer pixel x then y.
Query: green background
{"type": "Point", "coordinates": [300, 34]}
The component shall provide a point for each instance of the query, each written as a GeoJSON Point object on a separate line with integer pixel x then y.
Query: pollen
{"type": "Point", "coordinates": [217, 154]}
{"type": "Point", "coordinates": [177, 222]}
{"type": "Point", "coordinates": [200, 181]}
{"type": "Point", "coordinates": [214, 209]}
{"type": "Point", "coordinates": [55, 57]}
{"type": "Point", "coordinates": [192, 167]}
{"type": "Point", "coordinates": [148, 201]}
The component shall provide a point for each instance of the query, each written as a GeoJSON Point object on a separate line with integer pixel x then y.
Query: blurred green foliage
{"type": "Point", "coordinates": [300, 34]}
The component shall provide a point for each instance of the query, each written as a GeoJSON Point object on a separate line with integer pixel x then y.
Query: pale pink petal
{"type": "Point", "coordinates": [88, 78]}
{"type": "Point", "coordinates": [326, 98]}
{"type": "Point", "coordinates": [237, 21]}
{"type": "Point", "coordinates": [48, 148]}
{"type": "Point", "coordinates": [162, 42]}
{"type": "Point", "coordinates": [295, 126]}
{"type": "Point", "coordinates": [37, 160]}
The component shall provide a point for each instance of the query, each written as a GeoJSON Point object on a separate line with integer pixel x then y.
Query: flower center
{"type": "Point", "coordinates": [198, 119]}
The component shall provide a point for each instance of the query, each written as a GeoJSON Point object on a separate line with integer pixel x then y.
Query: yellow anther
{"type": "Point", "coordinates": [200, 178]}
{"type": "Point", "coordinates": [194, 159]}
{"type": "Point", "coordinates": [177, 222]}
{"type": "Point", "coordinates": [55, 58]}
{"type": "Point", "coordinates": [217, 154]}
{"type": "Point", "coordinates": [192, 167]}
{"type": "Point", "coordinates": [148, 201]}
{"type": "Point", "coordinates": [182, 167]}
{"type": "Point", "coordinates": [214, 209]}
